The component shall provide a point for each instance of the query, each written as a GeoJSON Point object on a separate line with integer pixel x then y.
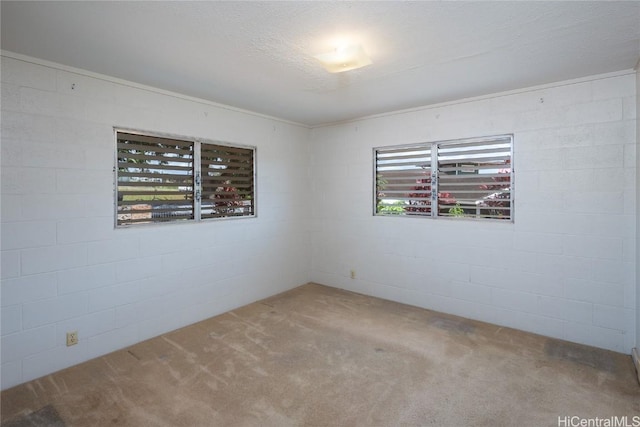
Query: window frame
{"type": "Point", "coordinates": [433, 148]}
{"type": "Point", "coordinates": [197, 189]}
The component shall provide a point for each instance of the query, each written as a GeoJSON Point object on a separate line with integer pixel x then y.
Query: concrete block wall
{"type": "Point", "coordinates": [65, 267]}
{"type": "Point", "coordinates": [565, 268]}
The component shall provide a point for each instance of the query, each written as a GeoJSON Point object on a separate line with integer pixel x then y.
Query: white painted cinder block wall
{"type": "Point", "coordinates": [565, 268]}
{"type": "Point", "coordinates": [65, 267]}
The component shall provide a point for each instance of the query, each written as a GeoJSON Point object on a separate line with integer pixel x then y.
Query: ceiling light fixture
{"type": "Point", "coordinates": [344, 59]}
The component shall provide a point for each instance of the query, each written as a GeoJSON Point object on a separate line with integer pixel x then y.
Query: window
{"type": "Point", "coordinates": [161, 179]}
{"type": "Point", "coordinates": [469, 178]}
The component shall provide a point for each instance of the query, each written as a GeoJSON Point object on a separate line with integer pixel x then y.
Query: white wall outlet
{"type": "Point", "coordinates": [72, 338]}
{"type": "Point", "coordinates": [353, 274]}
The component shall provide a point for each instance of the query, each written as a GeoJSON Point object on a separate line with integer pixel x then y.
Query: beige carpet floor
{"type": "Point", "coordinates": [317, 356]}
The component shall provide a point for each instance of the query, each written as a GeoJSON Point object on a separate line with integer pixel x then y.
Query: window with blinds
{"type": "Point", "coordinates": [161, 179]}
{"type": "Point", "coordinates": [227, 181]}
{"type": "Point", "coordinates": [467, 178]}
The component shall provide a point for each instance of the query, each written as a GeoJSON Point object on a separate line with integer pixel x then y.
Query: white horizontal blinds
{"type": "Point", "coordinates": [155, 179]}
{"type": "Point", "coordinates": [227, 177]}
{"type": "Point", "coordinates": [474, 178]}
{"type": "Point", "coordinates": [403, 180]}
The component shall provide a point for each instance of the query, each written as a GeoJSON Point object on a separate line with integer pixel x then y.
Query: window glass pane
{"type": "Point", "coordinates": [474, 178]}
{"type": "Point", "coordinates": [403, 181]}
{"type": "Point", "coordinates": [155, 179]}
{"type": "Point", "coordinates": [227, 181]}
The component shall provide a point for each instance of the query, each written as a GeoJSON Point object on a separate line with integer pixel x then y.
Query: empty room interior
{"type": "Point", "coordinates": [320, 213]}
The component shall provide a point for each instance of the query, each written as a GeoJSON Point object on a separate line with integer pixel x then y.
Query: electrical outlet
{"type": "Point", "coordinates": [72, 338]}
{"type": "Point", "coordinates": [353, 274]}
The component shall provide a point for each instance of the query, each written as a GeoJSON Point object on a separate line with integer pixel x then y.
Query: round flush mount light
{"type": "Point", "coordinates": [344, 58]}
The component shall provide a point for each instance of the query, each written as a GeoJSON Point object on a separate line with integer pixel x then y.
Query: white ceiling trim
{"type": "Point", "coordinates": [488, 96]}
{"type": "Point", "coordinates": [103, 77]}
{"type": "Point", "coordinates": [110, 79]}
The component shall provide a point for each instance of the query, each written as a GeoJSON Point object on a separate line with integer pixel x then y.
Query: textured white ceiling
{"type": "Point", "coordinates": [259, 55]}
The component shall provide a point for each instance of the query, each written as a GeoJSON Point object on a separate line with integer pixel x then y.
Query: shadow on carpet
{"type": "Point", "coordinates": [47, 416]}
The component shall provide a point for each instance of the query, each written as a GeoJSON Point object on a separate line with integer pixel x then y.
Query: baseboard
{"type": "Point", "coordinates": [635, 355]}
